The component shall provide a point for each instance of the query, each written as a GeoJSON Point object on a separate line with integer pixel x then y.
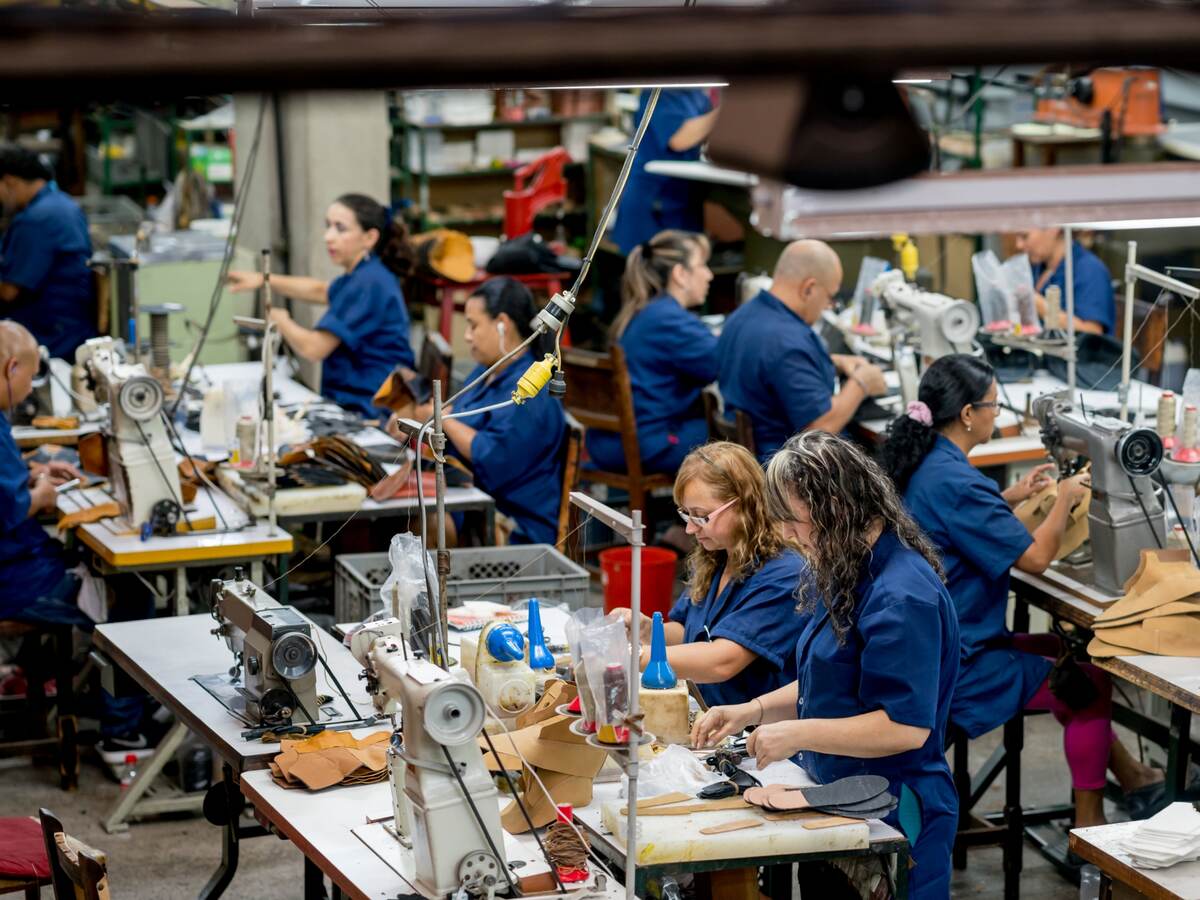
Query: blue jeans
{"type": "Point", "coordinates": [118, 714]}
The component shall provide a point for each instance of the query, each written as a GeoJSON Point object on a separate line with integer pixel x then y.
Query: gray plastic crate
{"type": "Point", "coordinates": [489, 573]}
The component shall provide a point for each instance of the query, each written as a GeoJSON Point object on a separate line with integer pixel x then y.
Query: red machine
{"type": "Point", "coordinates": [1132, 97]}
{"type": "Point", "coordinates": [546, 187]}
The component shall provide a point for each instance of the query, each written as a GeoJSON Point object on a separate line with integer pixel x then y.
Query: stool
{"type": "Point", "coordinates": [37, 708]}
{"type": "Point", "coordinates": [25, 853]}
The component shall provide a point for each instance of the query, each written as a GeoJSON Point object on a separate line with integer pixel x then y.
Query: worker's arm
{"type": "Point", "coordinates": [9, 292]}
{"type": "Point", "coordinates": [693, 132]}
{"type": "Point", "coordinates": [842, 408]}
{"type": "Point", "coordinates": [1035, 480]}
{"type": "Point", "coordinates": [1081, 325]}
{"type": "Point", "coordinates": [295, 287]}
{"type": "Point", "coordinates": [1048, 536]}
{"type": "Point", "coordinates": [704, 662]}
{"type": "Point", "coordinates": [42, 496]}
{"type": "Point", "coordinates": [312, 344]}
{"type": "Point", "coordinates": [866, 736]}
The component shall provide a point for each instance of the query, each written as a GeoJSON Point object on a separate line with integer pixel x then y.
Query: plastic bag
{"type": "Point", "coordinates": [996, 303]}
{"type": "Point", "coordinates": [605, 649]}
{"type": "Point", "coordinates": [406, 586]}
{"type": "Point", "coordinates": [1018, 274]}
{"type": "Point", "coordinates": [581, 620]}
{"type": "Point", "coordinates": [675, 769]}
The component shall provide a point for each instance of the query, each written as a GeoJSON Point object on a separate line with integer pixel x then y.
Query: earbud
{"type": "Point", "coordinates": [500, 327]}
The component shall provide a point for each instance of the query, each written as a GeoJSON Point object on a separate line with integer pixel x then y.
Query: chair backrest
{"type": "Point", "coordinates": [76, 870]}
{"type": "Point", "coordinates": [572, 462]}
{"type": "Point", "coordinates": [600, 397]}
{"type": "Point", "coordinates": [738, 430]}
{"type": "Point", "coordinates": [436, 360]}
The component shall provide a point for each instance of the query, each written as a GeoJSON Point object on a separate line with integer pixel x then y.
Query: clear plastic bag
{"type": "Point", "coordinates": [605, 649]}
{"type": "Point", "coordinates": [405, 593]}
{"type": "Point", "coordinates": [581, 620]}
{"type": "Point", "coordinates": [996, 302]}
{"type": "Point", "coordinates": [1018, 273]}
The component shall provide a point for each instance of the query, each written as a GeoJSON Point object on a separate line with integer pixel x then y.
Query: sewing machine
{"type": "Point", "coordinates": [457, 845]}
{"type": "Point", "coordinates": [942, 324]}
{"type": "Point", "coordinates": [1130, 97]}
{"type": "Point", "coordinates": [274, 648]}
{"type": "Point", "coordinates": [1125, 515]}
{"type": "Point", "coordinates": [141, 461]}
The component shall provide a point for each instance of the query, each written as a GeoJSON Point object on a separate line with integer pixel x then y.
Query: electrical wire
{"type": "Point", "coordinates": [1187, 532]}
{"type": "Point", "coordinates": [176, 498]}
{"type": "Point", "coordinates": [181, 447]}
{"type": "Point", "coordinates": [483, 829]}
{"type": "Point", "coordinates": [1145, 512]}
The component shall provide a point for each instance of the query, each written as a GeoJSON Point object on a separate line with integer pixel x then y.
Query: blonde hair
{"type": "Point", "coordinates": [648, 271]}
{"type": "Point", "coordinates": [730, 471]}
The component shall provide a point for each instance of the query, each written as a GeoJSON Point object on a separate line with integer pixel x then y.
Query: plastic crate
{"type": "Point", "coordinates": [499, 574]}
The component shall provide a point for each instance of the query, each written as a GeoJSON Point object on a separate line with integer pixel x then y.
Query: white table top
{"type": "Point", "coordinates": [28, 436]}
{"type": "Point", "coordinates": [163, 654]}
{"type": "Point", "coordinates": [1103, 846]}
{"type": "Point", "coordinates": [117, 545]}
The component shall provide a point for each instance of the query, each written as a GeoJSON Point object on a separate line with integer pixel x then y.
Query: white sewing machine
{"type": "Point", "coordinates": [141, 462]}
{"type": "Point", "coordinates": [943, 325]}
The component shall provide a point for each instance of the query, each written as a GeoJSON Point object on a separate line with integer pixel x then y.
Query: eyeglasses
{"type": "Point", "coordinates": [704, 521]}
{"type": "Point", "coordinates": [986, 404]}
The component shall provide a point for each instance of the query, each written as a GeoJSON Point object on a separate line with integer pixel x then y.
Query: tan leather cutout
{"type": "Point", "coordinates": [737, 825]}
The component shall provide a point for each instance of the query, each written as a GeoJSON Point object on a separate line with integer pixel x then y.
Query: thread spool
{"type": "Point", "coordinates": [1164, 423]}
{"type": "Point", "coordinates": [160, 336]}
{"type": "Point", "coordinates": [1186, 450]}
{"type": "Point", "coordinates": [1054, 315]}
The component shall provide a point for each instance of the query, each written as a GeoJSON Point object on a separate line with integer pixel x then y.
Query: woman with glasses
{"type": "Point", "coordinates": [734, 628]}
{"type": "Point", "coordinates": [875, 667]}
{"type": "Point", "coordinates": [671, 356]}
{"type": "Point", "coordinates": [972, 523]}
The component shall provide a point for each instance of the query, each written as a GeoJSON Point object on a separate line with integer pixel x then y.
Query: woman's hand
{"type": "Point", "coordinates": [774, 742]}
{"type": "Point", "coordinates": [56, 471]}
{"type": "Point", "coordinates": [42, 495]}
{"type": "Point", "coordinates": [1035, 480]}
{"type": "Point", "coordinates": [1074, 489]}
{"type": "Point", "coordinates": [721, 721]}
{"type": "Point", "coordinates": [627, 617]}
{"type": "Point", "coordinates": [240, 282]}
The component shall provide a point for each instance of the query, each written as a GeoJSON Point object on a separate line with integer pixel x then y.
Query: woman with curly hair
{"type": "Point", "coordinates": [876, 664]}
{"type": "Point", "coordinates": [734, 628]}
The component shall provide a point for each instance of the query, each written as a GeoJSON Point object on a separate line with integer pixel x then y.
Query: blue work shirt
{"type": "Point", "coordinates": [774, 367]}
{"type": "Point", "coordinates": [671, 356]}
{"type": "Point", "coordinates": [653, 203]}
{"type": "Point", "coordinates": [31, 562]}
{"type": "Point", "coordinates": [1093, 286]}
{"type": "Point", "coordinates": [45, 252]}
{"type": "Point", "coordinates": [517, 452]}
{"type": "Point", "coordinates": [758, 613]}
{"type": "Point", "coordinates": [367, 314]}
{"type": "Point", "coordinates": [964, 514]}
{"type": "Point", "coordinates": [900, 655]}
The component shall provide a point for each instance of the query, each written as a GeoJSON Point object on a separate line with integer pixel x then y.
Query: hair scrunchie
{"type": "Point", "coordinates": [919, 412]}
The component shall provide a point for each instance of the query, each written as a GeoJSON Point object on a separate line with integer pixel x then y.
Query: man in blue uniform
{"type": "Point", "coordinates": [45, 282]}
{"type": "Point", "coordinates": [1095, 307]}
{"type": "Point", "coordinates": [775, 367]}
{"type": "Point", "coordinates": [682, 119]}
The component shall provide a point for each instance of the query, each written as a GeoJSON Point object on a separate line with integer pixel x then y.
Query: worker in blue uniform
{"type": "Point", "coordinates": [670, 355]}
{"type": "Point", "coordinates": [734, 628]}
{"type": "Point", "coordinates": [877, 663]}
{"type": "Point", "coordinates": [45, 282]}
{"type": "Point", "coordinates": [36, 586]}
{"type": "Point", "coordinates": [775, 367]}
{"type": "Point", "coordinates": [1095, 306]}
{"type": "Point", "coordinates": [515, 453]}
{"type": "Point", "coordinates": [971, 522]}
{"type": "Point", "coordinates": [363, 334]}
{"type": "Point", "coordinates": [681, 122]}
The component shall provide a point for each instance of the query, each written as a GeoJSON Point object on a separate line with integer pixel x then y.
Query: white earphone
{"type": "Point", "coordinates": [500, 327]}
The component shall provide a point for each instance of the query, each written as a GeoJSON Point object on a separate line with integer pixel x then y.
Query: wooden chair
{"type": "Point", "coordinates": [24, 833]}
{"type": "Point", "coordinates": [572, 465]}
{"type": "Point", "coordinates": [35, 711]}
{"type": "Point", "coordinates": [600, 397]}
{"type": "Point", "coordinates": [76, 870]}
{"type": "Point", "coordinates": [739, 430]}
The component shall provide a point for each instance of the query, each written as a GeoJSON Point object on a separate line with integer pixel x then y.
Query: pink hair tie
{"type": "Point", "coordinates": [919, 412]}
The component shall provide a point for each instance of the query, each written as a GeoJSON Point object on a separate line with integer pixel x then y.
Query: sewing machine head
{"type": "Point", "coordinates": [1125, 515]}
{"type": "Point", "coordinates": [942, 324]}
{"type": "Point", "coordinates": [273, 647]}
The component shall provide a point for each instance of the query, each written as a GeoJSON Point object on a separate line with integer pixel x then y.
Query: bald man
{"type": "Point", "coordinates": [774, 367]}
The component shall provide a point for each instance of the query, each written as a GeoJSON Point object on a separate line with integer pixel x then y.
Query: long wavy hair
{"type": "Point", "coordinates": [648, 271]}
{"type": "Point", "coordinates": [730, 471]}
{"type": "Point", "coordinates": [847, 494]}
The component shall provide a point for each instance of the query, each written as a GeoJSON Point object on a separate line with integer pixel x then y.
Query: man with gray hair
{"type": "Point", "coordinates": [775, 368]}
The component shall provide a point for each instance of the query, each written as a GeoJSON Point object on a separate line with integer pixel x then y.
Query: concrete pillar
{"type": "Point", "coordinates": [333, 143]}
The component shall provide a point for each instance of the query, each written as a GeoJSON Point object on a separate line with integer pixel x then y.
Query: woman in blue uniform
{"type": "Point", "coordinates": [363, 334]}
{"type": "Point", "coordinates": [45, 282]}
{"type": "Point", "coordinates": [671, 356]}
{"type": "Point", "coordinates": [971, 521]}
{"type": "Point", "coordinates": [1095, 307]}
{"type": "Point", "coordinates": [877, 662]}
{"type": "Point", "coordinates": [515, 453]}
{"type": "Point", "coordinates": [734, 628]}
{"type": "Point", "coordinates": [681, 122]}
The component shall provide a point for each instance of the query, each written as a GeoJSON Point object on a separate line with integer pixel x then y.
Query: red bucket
{"type": "Point", "coordinates": [658, 578]}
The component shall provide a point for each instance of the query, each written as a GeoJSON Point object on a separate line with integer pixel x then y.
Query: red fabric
{"type": "Point", "coordinates": [22, 850]}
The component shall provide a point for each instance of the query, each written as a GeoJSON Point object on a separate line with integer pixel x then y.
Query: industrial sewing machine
{"type": "Point", "coordinates": [141, 462]}
{"type": "Point", "coordinates": [942, 324]}
{"type": "Point", "coordinates": [445, 802]}
{"type": "Point", "coordinates": [274, 649]}
{"type": "Point", "coordinates": [1125, 515]}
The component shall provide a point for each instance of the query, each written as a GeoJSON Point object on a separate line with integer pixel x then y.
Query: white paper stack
{"type": "Point", "coordinates": [1170, 837]}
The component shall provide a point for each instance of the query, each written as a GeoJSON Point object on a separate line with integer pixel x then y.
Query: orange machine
{"type": "Point", "coordinates": [1133, 98]}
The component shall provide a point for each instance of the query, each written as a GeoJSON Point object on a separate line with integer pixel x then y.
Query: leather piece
{"type": "Point", "coordinates": [91, 514]}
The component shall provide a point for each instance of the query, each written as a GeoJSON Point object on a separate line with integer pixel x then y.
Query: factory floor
{"type": "Point", "coordinates": [174, 858]}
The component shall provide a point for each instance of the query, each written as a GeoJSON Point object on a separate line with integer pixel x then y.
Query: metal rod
{"type": "Point", "coordinates": [622, 525]}
{"type": "Point", "coordinates": [1127, 336]}
{"type": "Point", "coordinates": [634, 735]}
{"type": "Point", "coordinates": [269, 334]}
{"type": "Point", "coordinates": [1069, 284]}
{"type": "Point", "coordinates": [1166, 282]}
{"type": "Point", "coordinates": [443, 555]}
